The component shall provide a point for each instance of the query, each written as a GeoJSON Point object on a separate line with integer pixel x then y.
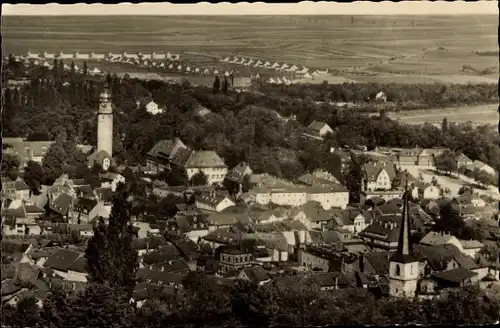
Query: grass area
{"type": "Point", "coordinates": [484, 114]}
{"type": "Point", "coordinates": [402, 44]}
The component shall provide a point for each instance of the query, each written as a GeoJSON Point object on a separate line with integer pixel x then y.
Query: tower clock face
{"type": "Point", "coordinates": [106, 163]}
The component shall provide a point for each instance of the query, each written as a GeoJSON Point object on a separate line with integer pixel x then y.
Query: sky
{"type": "Point", "coordinates": [260, 8]}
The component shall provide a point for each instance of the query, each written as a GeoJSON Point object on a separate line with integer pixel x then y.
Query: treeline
{"type": "Point", "coordinates": [404, 96]}
{"type": "Point", "coordinates": [242, 126]}
{"type": "Point", "coordinates": [205, 304]}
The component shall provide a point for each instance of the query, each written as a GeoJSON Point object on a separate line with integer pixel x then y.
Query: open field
{"type": "Point", "coordinates": [484, 114]}
{"type": "Point", "coordinates": [406, 45]}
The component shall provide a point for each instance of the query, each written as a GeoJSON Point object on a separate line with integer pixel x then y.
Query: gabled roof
{"type": "Point", "coordinates": [85, 205]}
{"type": "Point", "coordinates": [373, 169]}
{"type": "Point", "coordinates": [204, 159]}
{"type": "Point", "coordinates": [166, 149]}
{"type": "Point", "coordinates": [456, 275]}
{"type": "Point", "coordinates": [256, 273]}
{"type": "Point", "coordinates": [168, 253]}
{"type": "Point", "coordinates": [435, 238]}
{"type": "Point", "coordinates": [212, 199]}
{"type": "Point", "coordinates": [317, 126]}
{"type": "Point", "coordinates": [462, 158]}
{"type": "Point", "coordinates": [62, 260]}
{"type": "Point", "coordinates": [237, 174]}
{"type": "Point", "coordinates": [61, 204]}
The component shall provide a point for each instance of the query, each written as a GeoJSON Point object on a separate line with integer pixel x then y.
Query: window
{"type": "Point", "coordinates": [398, 270]}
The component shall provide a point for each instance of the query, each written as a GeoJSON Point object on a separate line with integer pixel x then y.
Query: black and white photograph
{"type": "Point", "coordinates": [250, 164]}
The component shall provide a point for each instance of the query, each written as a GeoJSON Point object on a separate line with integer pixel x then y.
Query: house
{"type": "Point", "coordinates": [237, 174]}
{"type": "Point", "coordinates": [25, 150]}
{"type": "Point", "coordinates": [328, 197]}
{"type": "Point", "coordinates": [467, 200]}
{"type": "Point", "coordinates": [428, 156]}
{"type": "Point", "coordinates": [67, 264]}
{"type": "Point", "coordinates": [423, 191]}
{"type": "Point", "coordinates": [217, 221]}
{"type": "Point", "coordinates": [381, 236]}
{"type": "Point", "coordinates": [275, 244]}
{"type": "Point", "coordinates": [84, 211]}
{"type": "Point", "coordinates": [83, 230]}
{"type": "Point", "coordinates": [61, 205]}
{"type": "Point", "coordinates": [149, 105]}
{"type": "Point", "coordinates": [193, 226]}
{"type": "Point", "coordinates": [318, 130]}
{"type": "Point", "coordinates": [353, 220]}
{"type": "Point", "coordinates": [254, 274]}
{"type": "Point", "coordinates": [381, 97]}
{"type": "Point", "coordinates": [320, 257]}
{"type": "Point", "coordinates": [221, 237]}
{"type": "Point", "coordinates": [463, 160]}
{"type": "Point", "coordinates": [111, 180]}
{"type": "Point", "coordinates": [377, 176]}
{"type": "Point", "coordinates": [16, 222]}
{"type": "Point", "coordinates": [207, 162]}
{"type": "Point", "coordinates": [312, 215]}
{"type": "Point", "coordinates": [213, 201]}
{"type": "Point", "coordinates": [232, 259]}
{"type": "Point", "coordinates": [478, 165]}
{"type": "Point", "coordinates": [471, 247]}
{"type": "Point", "coordinates": [160, 156]}
{"type": "Point", "coordinates": [434, 238]}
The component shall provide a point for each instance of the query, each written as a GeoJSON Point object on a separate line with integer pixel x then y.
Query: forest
{"type": "Point", "coordinates": [245, 126]}
{"type": "Point", "coordinates": [288, 299]}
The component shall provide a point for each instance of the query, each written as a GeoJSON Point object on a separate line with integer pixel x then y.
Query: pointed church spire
{"type": "Point", "coordinates": [404, 251]}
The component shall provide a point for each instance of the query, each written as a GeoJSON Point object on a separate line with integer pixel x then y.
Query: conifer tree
{"type": "Point", "coordinates": [110, 258]}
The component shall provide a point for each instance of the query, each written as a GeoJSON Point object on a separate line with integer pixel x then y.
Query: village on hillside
{"type": "Point", "coordinates": [234, 224]}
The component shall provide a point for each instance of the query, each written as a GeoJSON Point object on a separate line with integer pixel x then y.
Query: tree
{"type": "Point", "coordinates": [34, 175]}
{"type": "Point", "coordinates": [484, 178]}
{"type": "Point", "coordinates": [199, 179]}
{"type": "Point", "coordinates": [446, 162]}
{"type": "Point", "coordinates": [176, 176]}
{"type": "Point", "coordinates": [465, 189]}
{"type": "Point", "coordinates": [110, 258]}
{"type": "Point", "coordinates": [216, 85]}
{"type": "Point", "coordinates": [225, 85]}
{"type": "Point", "coordinates": [85, 68]}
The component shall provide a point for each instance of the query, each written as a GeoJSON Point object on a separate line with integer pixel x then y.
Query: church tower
{"type": "Point", "coordinates": [403, 266]}
{"type": "Point", "coordinates": [105, 124]}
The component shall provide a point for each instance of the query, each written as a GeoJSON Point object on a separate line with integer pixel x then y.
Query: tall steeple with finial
{"type": "Point", "coordinates": [403, 267]}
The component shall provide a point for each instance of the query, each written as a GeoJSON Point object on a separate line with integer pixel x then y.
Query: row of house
{"type": "Point", "coordinates": [96, 56]}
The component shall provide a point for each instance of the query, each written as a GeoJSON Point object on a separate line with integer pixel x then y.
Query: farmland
{"type": "Point", "coordinates": [409, 49]}
{"type": "Point", "coordinates": [486, 114]}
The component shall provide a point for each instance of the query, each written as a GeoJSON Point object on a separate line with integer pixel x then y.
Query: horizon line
{"type": "Point", "coordinates": [305, 8]}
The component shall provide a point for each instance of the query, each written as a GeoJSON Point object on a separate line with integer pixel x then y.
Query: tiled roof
{"type": "Point", "coordinates": [175, 266]}
{"type": "Point", "coordinates": [222, 237]}
{"type": "Point", "coordinates": [168, 253]}
{"type": "Point", "coordinates": [383, 232]}
{"type": "Point", "coordinates": [456, 275]}
{"type": "Point", "coordinates": [237, 174]}
{"type": "Point", "coordinates": [439, 256]}
{"type": "Point", "coordinates": [317, 126]}
{"type": "Point", "coordinates": [373, 169]}
{"type": "Point", "coordinates": [85, 205]}
{"type": "Point", "coordinates": [380, 261]}
{"type": "Point", "coordinates": [256, 273]}
{"type": "Point", "coordinates": [271, 240]}
{"type": "Point", "coordinates": [212, 198]}
{"type": "Point", "coordinates": [160, 278]}
{"type": "Point", "coordinates": [62, 260]}
{"type": "Point", "coordinates": [204, 159]}
{"type": "Point", "coordinates": [435, 238]}
{"type": "Point", "coordinates": [315, 212]}
{"type": "Point", "coordinates": [462, 158]}
{"type": "Point", "coordinates": [471, 244]}
{"type": "Point", "coordinates": [166, 149]}
{"type": "Point", "coordinates": [21, 185]}
{"type": "Point", "coordinates": [61, 204]}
